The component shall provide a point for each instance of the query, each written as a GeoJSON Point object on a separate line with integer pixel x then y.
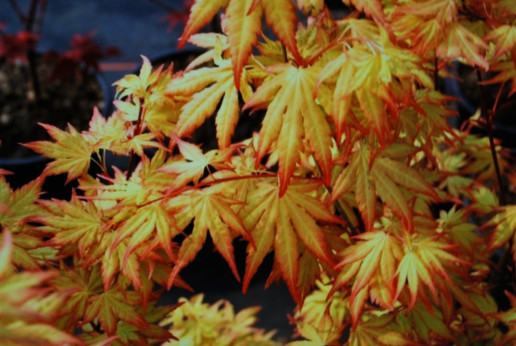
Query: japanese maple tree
{"type": "Point", "coordinates": [388, 225]}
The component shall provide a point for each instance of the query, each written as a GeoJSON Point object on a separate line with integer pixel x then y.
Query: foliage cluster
{"type": "Point", "coordinates": [385, 222]}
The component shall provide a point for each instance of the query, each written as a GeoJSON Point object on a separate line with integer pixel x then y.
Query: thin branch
{"type": "Point", "coordinates": [33, 72]}
{"type": "Point", "coordinates": [41, 16]}
{"type": "Point", "coordinates": [31, 16]}
{"type": "Point", "coordinates": [18, 11]}
{"type": "Point", "coordinates": [489, 127]}
{"type": "Point", "coordinates": [31, 54]}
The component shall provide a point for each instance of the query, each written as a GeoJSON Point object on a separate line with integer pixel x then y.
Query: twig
{"type": "Point", "coordinates": [41, 16]}
{"type": "Point", "coordinates": [18, 11]}
{"type": "Point", "coordinates": [489, 127]}
{"type": "Point", "coordinates": [31, 54]}
{"type": "Point", "coordinates": [31, 16]}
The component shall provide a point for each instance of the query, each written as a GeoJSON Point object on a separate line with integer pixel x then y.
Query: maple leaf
{"type": "Point", "coordinates": [82, 284]}
{"type": "Point", "coordinates": [506, 72]}
{"type": "Point", "coordinates": [505, 226]}
{"type": "Point", "coordinates": [110, 134]}
{"type": "Point", "coordinates": [193, 169]}
{"type": "Point", "coordinates": [504, 38]}
{"type": "Point", "coordinates": [20, 206]}
{"type": "Point", "coordinates": [198, 323]}
{"type": "Point", "coordinates": [211, 212]}
{"type": "Point", "coordinates": [5, 252]}
{"type": "Point", "coordinates": [311, 7]}
{"type": "Point", "coordinates": [137, 85]}
{"type": "Point", "coordinates": [291, 113]}
{"type": "Point", "coordinates": [429, 325]}
{"type": "Point", "coordinates": [426, 260]}
{"type": "Point", "coordinates": [281, 222]}
{"type": "Point", "coordinates": [243, 25]}
{"type": "Point", "coordinates": [110, 307]}
{"type": "Point", "coordinates": [201, 13]}
{"type": "Point", "coordinates": [152, 220]}
{"type": "Point", "coordinates": [117, 257]}
{"type": "Point", "coordinates": [208, 85]}
{"type": "Point", "coordinates": [281, 17]}
{"type": "Point", "coordinates": [372, 8]}
{"type": "Point", "coordinates": [375, 252]}
{"type": "Point", "coordinates": [369, 74]}
{"type": "Point", "coordinates": [72, 223]}
{"type": "Point", "coordinates": [461, 232]}
{"type": "Point", "coordinates": [384, 179]}
{"type": "Point", "coordinates": [214, 43]}
{"type": "Point", "coordinates": [460, 42]}
{"type": "Point", "coordinates": [71, 152]}
{"type": "Point", "coordinates": [444, 11]}
{"type": "Point", "coordinates": [321, 319]}
{"type": "Point", "coordinates": [26, 306]}
{"type": "Point", "coordinates": [377, 330]}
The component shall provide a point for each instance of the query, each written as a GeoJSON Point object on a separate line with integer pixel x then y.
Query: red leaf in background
{"type": "Point", "coordinates": [15, 46]}
{"type": "Point", "coordinates": [85, 53]}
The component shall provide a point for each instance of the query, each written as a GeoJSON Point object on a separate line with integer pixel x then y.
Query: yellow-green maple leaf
{"type": "Point", "coordinates": [210, 211]}
{"type": "Point", "coordinates": [201, 13]}
{"type": "Point", "coordinates": [72, 223]}
{"type": "Point", "coordinates": [137, 85]}
{"type": "Point", "coordinates": [280, 222]}
{"type": "Point", "coordinates": [505, 226]}
{"type": "Point", "coordinates": [244, 24]}
{"type": "Point", "coordinates": [292, 112]}
{"type": "Point", "coordinates": [372, 8]}
{"type": "Point", "coordinates": [282, 18]}
{"type": "Point", "coordinates": [70, 152]}
{"type": "Point", "coordinates": [193, 169]}
{"type": "Point", "coordinates": [383, 178]}
{"type": "Point", "coordinates": [426, 260]}
{"type": "Point", "coordinates": [462, 43]}
{"type": "Point", "coordinates": [376, 253]}
{"type": "Point", "coordinates": [207, 86]}
{"type": "Point", "coordinates": [378, 330]}
{"type": "Point", "coordinates": [19, 209]}
{"type": "Point", "coordinates": [149, 221]}
{"type": "Point", "coordinates": [110, 307]}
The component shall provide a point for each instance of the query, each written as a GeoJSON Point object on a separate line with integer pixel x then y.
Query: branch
{"type": "Point", "coordinates": [489, 127]}
{"type": "Point", "coordinates": [18, 11]}
{"type": "Point", "coordinates": [41, 16]}
{"type": "Point", "coordinates": [31, 17]}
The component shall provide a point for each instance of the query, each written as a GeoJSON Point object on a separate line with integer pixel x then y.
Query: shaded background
{"type": "Point", "coordinates": [138, 27]}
